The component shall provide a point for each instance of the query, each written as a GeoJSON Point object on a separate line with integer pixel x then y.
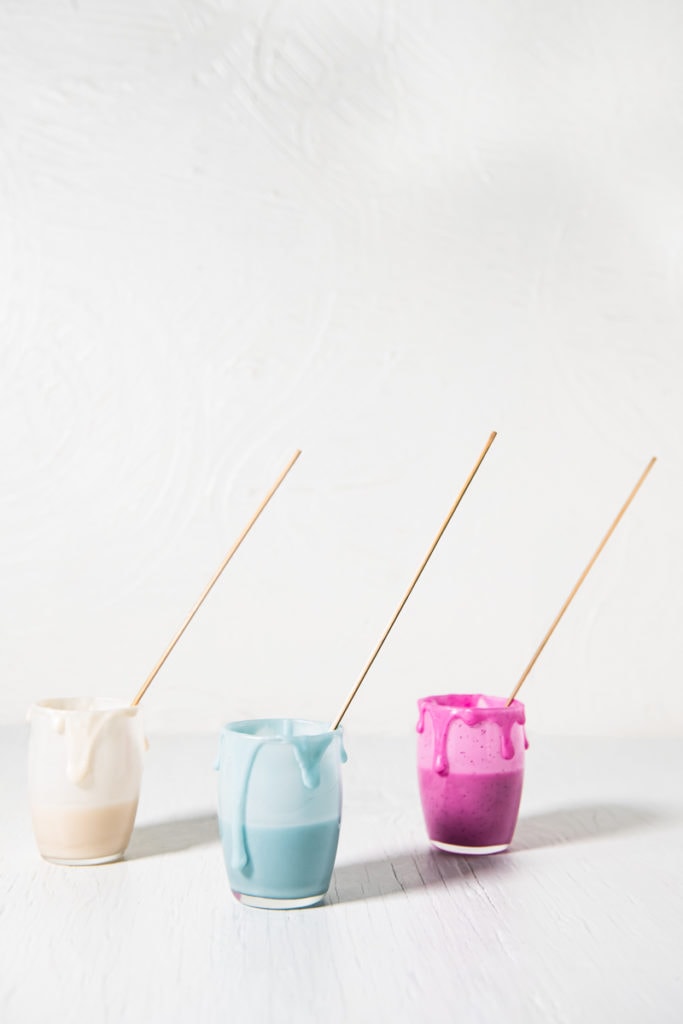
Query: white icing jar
{"type": "Point", "coordinates": [84, 768]}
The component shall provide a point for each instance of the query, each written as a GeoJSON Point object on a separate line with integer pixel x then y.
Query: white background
{"type": "Point", "coordinates": [375, 231]}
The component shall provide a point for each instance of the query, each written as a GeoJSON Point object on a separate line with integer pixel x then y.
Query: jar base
{"type": "Point", "coordinates": [267, 903]}
{"type": "Point", "coordinates": [469, 851]}
{"type": "Point", "coordinates": [84, 863]}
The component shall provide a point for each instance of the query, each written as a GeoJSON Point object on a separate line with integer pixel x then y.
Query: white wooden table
{"type": "Point", "coordinates": [581, 921]}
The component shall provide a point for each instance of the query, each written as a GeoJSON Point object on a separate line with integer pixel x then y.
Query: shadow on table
{"type": "Point", "coordinates": [423, 869]}
{"type": "Point", "coordinates": [427, 867]}
{"type": "Point", "coordinates": [576, 824]}
{"type": "Point", "coordinates": [172, 836]}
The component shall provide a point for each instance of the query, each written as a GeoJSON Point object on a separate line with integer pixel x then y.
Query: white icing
{"type": "Point", "coordinates": [83, 722]}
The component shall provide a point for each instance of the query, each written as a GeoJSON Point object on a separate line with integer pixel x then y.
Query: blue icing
{"type": "Point", "coordinates": [240, 850]}
{"type": "Point", "coordinates": [309, 751]}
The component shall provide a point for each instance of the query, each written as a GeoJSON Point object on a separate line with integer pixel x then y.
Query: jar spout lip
{"type": "Point", "coordinates": [278, 729]}
{"type": "Point", "coordinates": [478, 701]}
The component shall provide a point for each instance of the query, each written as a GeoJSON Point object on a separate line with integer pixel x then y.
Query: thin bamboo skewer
{"type": "Point", "coordinates": [408, 592]}
{"type": "Point", "coordinates": [580, 580]}
{"type": "Point", "coordinates": [141, 692]}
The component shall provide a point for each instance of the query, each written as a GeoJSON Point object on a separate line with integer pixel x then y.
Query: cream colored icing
{"type": "Point", "coordinates": [82, 721]}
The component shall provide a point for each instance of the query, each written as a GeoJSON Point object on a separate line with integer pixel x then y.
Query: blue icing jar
{"type": "Point", "coordinates": [279, 809]}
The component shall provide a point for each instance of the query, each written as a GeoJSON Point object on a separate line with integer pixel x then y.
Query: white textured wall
{"type": "Point", "coordinates": [375, 231]}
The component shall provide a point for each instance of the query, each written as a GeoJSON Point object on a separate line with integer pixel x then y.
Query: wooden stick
{"type": "Point", "coordinates": [408, 592]}
{"type": "Point", "coordinates": [140, 694]}
{"type": "Point", "coordinates": [580, 580]}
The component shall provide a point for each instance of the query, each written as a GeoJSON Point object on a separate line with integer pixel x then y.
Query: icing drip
{"type": "Point", "coordinates": [82, 726]}
{"type": "Point", "coordinates": [471, 710]}
{"type": "Point", "coordinates": [308, 752]}
{"type": "Point", "coordinates": [240, 850]}
{"type": "Point", "coordinates": [81, 733]}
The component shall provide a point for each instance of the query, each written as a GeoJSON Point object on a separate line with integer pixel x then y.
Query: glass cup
{"type": "Point", "coordinates": [279, 809]}
{"type": "Point", "coordinates": [470, 763]}
{"type": "Point", "coordinates": [85, 767]}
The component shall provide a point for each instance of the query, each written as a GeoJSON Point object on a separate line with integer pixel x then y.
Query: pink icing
{"type": "Point", "coordinates": [472, 709]}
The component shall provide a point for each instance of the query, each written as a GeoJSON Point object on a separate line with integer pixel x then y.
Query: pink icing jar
{"type": "Point", "coordinates": [470, 764]}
